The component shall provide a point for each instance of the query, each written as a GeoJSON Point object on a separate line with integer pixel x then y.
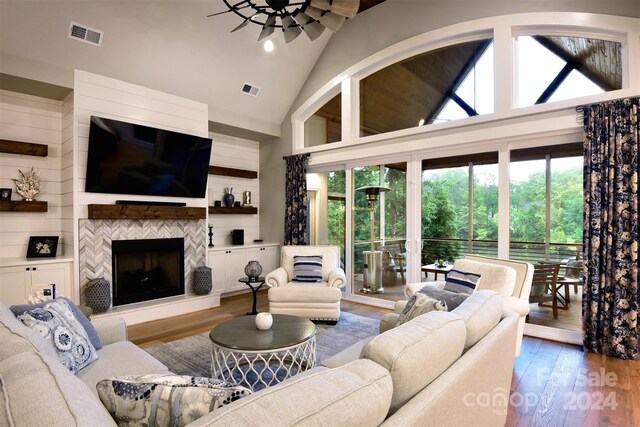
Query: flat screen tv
{"type": "Point", "coordinates": [125, 158]}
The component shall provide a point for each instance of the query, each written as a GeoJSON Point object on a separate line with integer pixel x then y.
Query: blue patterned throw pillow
{"type": "Point", "coordinates": [418, 305]}
{"type": "Point", "coordinates": [165, 399]}
{"type": "Point", "coordinates": [18, 309]}
{"type": "Point", "coordinates": [307, 268]}
{"type": "Point", "coordinates": [461, 282]}
{"type": "Point", "coordinates": [57, 324]}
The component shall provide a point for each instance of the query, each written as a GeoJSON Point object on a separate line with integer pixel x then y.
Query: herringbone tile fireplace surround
{"type": "Point", "coordinates": [96, 236]}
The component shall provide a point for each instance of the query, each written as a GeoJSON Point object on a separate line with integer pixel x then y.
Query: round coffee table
{"type": "Point", "coordinates": [242, 353]}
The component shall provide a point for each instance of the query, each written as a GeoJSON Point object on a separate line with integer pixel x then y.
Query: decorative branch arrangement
{"type": "Point", "coordinates": [28, 186]}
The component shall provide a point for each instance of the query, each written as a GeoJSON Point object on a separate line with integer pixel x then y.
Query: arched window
{"type": "Point", "coordinates": [554, 68]}
{"type": "Point", "coordinates": [444, 84]}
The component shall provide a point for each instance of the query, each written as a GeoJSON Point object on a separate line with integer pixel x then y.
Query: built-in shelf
{"type": "Point", "coordinates": [145, 212]}
{"type": "Point", "coordinates": [23, 206]}
{"type": "Point", "coordinates": [233, 211]}
{"type": "Point", "coordinates": [238, 173]}
{"type": "Point", "coordinates": [28, 148]}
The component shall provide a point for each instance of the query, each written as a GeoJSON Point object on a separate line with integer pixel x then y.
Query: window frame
{"type": "Point", "coordinates": [503, 30]}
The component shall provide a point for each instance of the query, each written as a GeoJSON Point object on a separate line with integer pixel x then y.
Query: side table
{"type": "Point", "coordinates": [259, 281]}
{"type": "Point", "coordinates": [432, 268]}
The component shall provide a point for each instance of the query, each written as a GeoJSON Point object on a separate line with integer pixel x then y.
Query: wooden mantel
{"type": "Point", "coordinates": [145, 212]}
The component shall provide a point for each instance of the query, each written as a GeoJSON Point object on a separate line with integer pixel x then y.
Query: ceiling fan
{"type": "Point", "coordinates": [292, 17]}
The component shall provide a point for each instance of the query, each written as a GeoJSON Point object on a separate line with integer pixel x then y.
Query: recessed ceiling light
{"type": "Point", "coordinates": [268, 46]}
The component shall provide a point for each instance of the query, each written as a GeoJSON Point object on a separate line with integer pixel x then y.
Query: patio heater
{"type": "Point", "coordinates": [372, 259]}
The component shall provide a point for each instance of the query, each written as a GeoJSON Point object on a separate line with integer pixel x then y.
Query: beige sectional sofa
{"type": "Point", "coordinates": [436, 369]}
{"type": "Point", "coordinates": [511, 279]}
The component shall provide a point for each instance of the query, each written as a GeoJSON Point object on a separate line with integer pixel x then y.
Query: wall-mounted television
{"type": "Point", "coordinates": [126, 158]}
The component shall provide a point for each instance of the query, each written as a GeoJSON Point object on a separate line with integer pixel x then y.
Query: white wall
{"type": "Point", "coordinates": [28, 118]}
{"type": "Point", "coordinates": [234, 153]}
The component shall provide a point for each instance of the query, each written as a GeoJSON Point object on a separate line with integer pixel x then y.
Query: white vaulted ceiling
{"type": "Point", "coordinates": [170, 46]}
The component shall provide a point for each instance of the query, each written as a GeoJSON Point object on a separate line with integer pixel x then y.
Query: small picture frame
{"type": "Point", "coordinates": [5, 194]}
{"type": "Point", "coordinates": [42, 246]}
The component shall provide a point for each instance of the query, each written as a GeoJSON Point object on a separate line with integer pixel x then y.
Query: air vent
{"type": "Point", "coordinates": [250, 89]}
{"type": "Point", "coordinates": [85, 34]}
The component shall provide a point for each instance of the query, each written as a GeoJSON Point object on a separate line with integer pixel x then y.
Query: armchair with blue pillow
{"type": "Point", "coordinates": [307, 283]}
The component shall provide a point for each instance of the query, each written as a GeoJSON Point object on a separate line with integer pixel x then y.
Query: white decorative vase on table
{"type": "Point", "coordinates": [264, 321]}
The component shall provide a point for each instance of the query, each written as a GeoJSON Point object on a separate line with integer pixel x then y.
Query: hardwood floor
{"type": "Point", "coordinates": [554, 384]}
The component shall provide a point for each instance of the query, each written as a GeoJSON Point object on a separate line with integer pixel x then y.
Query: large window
{"type": "Point", "coordinates": [554, 68]}
{"type": "Point", "coordinates": [389, 214]}
{"type": "Point", "coordinates": [436, 86]}
{"type": "Point", "coordinates": [546, 203]}
{"type": "Point", "coordinates": [459, 207]}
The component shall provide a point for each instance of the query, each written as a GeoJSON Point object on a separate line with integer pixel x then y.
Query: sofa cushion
{"type": "Point", "coordinates": [36, 390]}
{"type": "Point", "coordinates": [417, 352]}
{"type": "Point", "coordinates": [22, 338]}
{"type": "Point", "coordinates": [117, 359]}
{"type": "Point", "coordinates": [59, 327]}
{"type": "Point", "coordinates": [19, 309]}
{"type": "Point", "coordinates": [481, 312]}
{"type": "Point", "coordinates": [460, 281]}
{"type": "Point", "coordinates": [165, 400]}
{"type": "Point", "coordinates": [307, 269]}
{"type": "Point", "coordinates": [499, 278]}
{"type": "Point", "coordinates": [452, 299]}
{"type": "Point", "coordinates": [357, 394]}
{"type": "Point", "coordinates": [418, 305]}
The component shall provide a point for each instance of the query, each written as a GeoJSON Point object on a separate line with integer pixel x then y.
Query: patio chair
{"type": "Point", "coordinates": [544, 286]}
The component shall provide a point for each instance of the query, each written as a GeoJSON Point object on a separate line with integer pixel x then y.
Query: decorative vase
{"type": "Point", "coordinates": [98, 295]}
{"type": "Point", "coordinates": [202, 279]}
{"type": "Point", "coordinates": [228, 197]}
{"type": "Point", "coordinates": [264, 321]}
{"type": "Point", "coordinates": [253, 270]}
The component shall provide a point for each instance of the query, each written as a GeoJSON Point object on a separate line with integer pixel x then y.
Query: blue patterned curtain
{"type": "Point", "coordinates": [610, 301]}
{"type": "Point", "coordinates": [295, 216]}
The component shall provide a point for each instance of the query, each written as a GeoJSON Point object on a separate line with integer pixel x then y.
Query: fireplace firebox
{"type": "Point", "coordinates": [147, 269]}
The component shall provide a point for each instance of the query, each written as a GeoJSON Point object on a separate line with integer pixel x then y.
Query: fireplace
{"type": "Point", "coordinates": [147, 269]}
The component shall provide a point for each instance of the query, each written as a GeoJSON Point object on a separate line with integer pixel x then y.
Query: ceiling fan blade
{"type": "Point", "coordinates": [241, 26]}
{"type": "Point", "coordinates": [290, 29]}
{"type": "Point", "coordinates": [330, 20]}
{"type": "Point", "coordinates": [267, 28]}
{"type": "Point", "coordinates": [234, 7]}
{"type": "Point", "coordinates": [312, 28]}
{"type": "Point", "coordinates": [348, 8]}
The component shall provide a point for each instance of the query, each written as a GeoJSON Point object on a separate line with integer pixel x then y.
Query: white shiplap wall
{"type": "Point", "coordinates": [106, 97]}
{"type": "Point", "coordinates": [234, 153]}
{"type": "Point", "coordinates": [33, 119]}
{"type": "Point", "coordinates": [66, 175]}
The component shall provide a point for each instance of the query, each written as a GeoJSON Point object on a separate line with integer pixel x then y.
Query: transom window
{"type": "Point", "coordinates": [436, 86]}
{"type": "Point", "coordinates": [554, 68]}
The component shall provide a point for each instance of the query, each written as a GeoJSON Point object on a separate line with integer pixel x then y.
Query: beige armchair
{"type": "Point", "coordinates": [317, 301]}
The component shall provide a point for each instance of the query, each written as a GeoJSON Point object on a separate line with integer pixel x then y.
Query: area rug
{"type": "Point", "coordinates": [192, 355]}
